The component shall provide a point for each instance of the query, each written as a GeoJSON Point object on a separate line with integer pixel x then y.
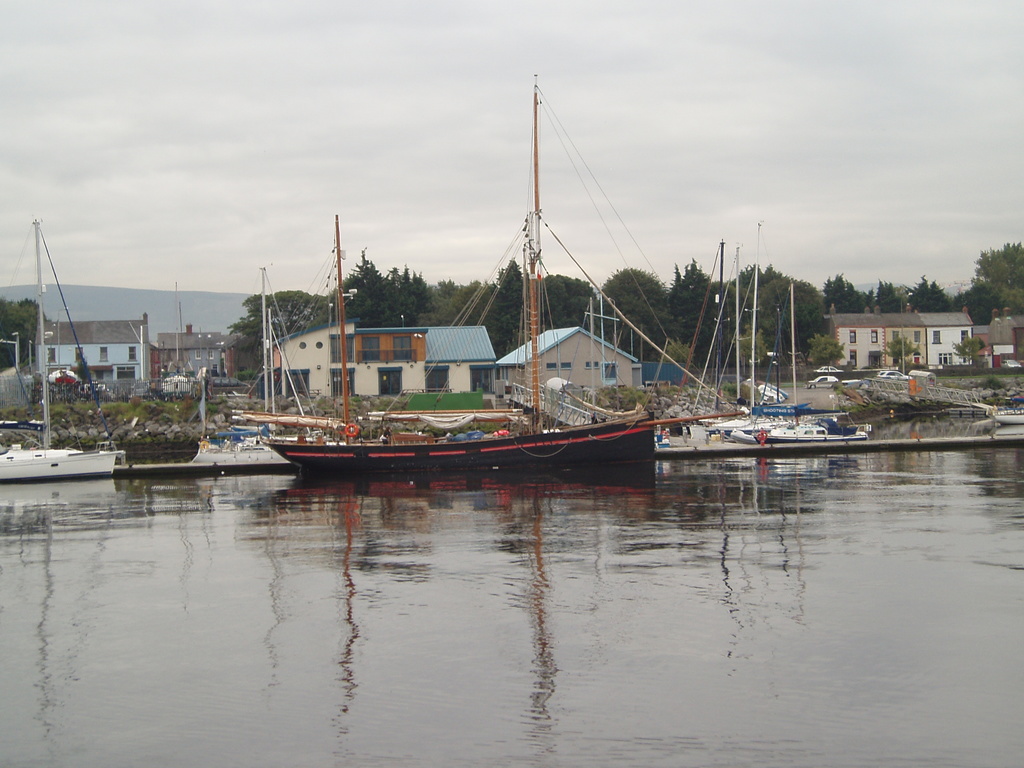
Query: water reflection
{"type": "Point", "coordinates": [740, 612]}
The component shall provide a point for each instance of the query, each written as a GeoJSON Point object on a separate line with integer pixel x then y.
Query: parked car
{"type": "Point", "coordinates": [892, 376]}
{"type": "Point", "coordinates": [1011, 364]}
{"type": "Point", "coordinates": [822, 381]}
{"type": "Point", "coordinates": [827, 369]}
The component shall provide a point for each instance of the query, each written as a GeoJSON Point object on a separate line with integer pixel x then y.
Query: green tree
{"type": "Point", "coordinates": [774, 312]}
{"type": "Point", "coordinates": [409, 297]}
{"type": "Point", "coordinates": [929, 297]}
{"type": "Point", "coordinates": [290, 312]}
{"type": "Point", "coordinates": [640, 296]}
{"type": "Point", "coordinates": [839, 295]}
{"type": "Point", "coordinates": [888, 297]}
{"type": "Point", "coordinates": [452, 304]}
{"type": "Point", "coordinates": [504, 320]}
{"type": "Point", "coordinates": [982, 301]}
{"type": "Point", "coordinates": [900, 348]}
{"type": "Point", "coordinates": [968, 349]}
{"type": "Point", "coordinates": [825, 350]}
{"type": "Point", "coordinates": [17, 317]}
{"type": "Point", "coordinates": [1003, 269]}
{"type": "Point", "coordinates": [691, 311]}
{"type": "Point", "coordinates": [371, 303]}
{"type": "Point", "coordinates": [565, 300]}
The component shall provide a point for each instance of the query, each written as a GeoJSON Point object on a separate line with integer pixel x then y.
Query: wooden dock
{"type": "Point", "coordinates": [682, 449]}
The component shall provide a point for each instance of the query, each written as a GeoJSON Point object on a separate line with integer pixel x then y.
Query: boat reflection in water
{"type": "Point", "coordinates": [763, 611]}
{"type": "Point", "coordinates": [461, 538]}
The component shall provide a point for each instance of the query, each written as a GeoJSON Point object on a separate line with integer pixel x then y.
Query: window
{"type": "Point", "coordinates": [963, 335]}
{"type": "Point", "coordinates": [874, 336]}
{"type": "Point", "coordinates": [551, 366]}
{"type": "Point", "coordinates": [371, 351]}
{"type": "Point", "coordinates": [51, 354]}
{"type": "Point", "coordinates": [198, 354]}
{"type": "Point", "coordinates": [853, 337]}
{"type": "Point", "coordinates": [124, 372]}
{"type": "Point", "coordinates": [945, 358]}
{"type": "Point", "coordinates": [104, 355]}
{"type": "Point", "coordinates": [402, 346]}
{"type": "Point", "coordinates": [895, 334]}
{"type": "Point", "coordinates": [936, 337]}
{"type": "Point", "coordinates": [853, 358]}
{"type": "Point", "coordinates": [437, 379]}
{"type": "Point", "coordinates": [481, 379]}
{"type": "Point", "coordinates": [336, 347]}
{"type": "Point", "coordinates": [133, 354]}
{"type": "Point", "coordinates": [566, 366]}
{"type": "Point", "coordinates": [611, 372]}
{"type": "Point", "coordinates": [917, 337]}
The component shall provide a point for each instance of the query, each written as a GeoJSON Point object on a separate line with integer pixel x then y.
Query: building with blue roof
{"type": "Point", "coordinates": [576, 355]}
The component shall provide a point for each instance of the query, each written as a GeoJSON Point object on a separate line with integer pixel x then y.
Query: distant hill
{"type": "Point", "coordinates": [205, 311]}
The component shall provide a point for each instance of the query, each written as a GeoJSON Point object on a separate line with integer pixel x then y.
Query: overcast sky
{"type": "Point", "coordinates": [195, 142]}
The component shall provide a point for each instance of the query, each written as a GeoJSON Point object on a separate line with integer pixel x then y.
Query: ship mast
{"type": "Point", "coordinates": [342, 341]}
{"type": "Point", "coordinates": [532, 276]}
{"type": "Point", "coordinates": [41, 338]}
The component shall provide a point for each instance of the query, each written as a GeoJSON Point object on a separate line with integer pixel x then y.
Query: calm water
{"type": "Point", "coordinates": [854, 611]}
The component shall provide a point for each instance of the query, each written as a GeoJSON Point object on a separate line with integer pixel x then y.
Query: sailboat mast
{"type": "Point", "coordinates": [533, 256]}
{"type": "Point", "coordinates": [736, 345]}
{"type": "Point", "coordinates": [41, 340]}
{"type": "Point", "coordinates": [342, 341]}
{"type": "Point", "coordinates": [753, 324]}
{"type": "Point", "coordinates": [792, 333]}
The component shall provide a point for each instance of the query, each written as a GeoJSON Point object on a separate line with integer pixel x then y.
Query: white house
{"type": "Point", "coordinates": [944, 330]}
{"type": "Point", "coordinates": [389, 361]}
{"type": "Point", "coordinates": [116, 350]}
{"type": "Point", "coordinates": [864, 336]}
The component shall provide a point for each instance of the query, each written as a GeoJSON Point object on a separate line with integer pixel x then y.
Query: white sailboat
{"type": "Point", "coordinates": [20, 464]}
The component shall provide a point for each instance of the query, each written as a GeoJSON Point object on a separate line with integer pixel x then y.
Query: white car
{"type": "Point", "coordinates": [827, 369]}
{"type": "Point", "coordinates": [822, 381]}
{"type": "Point", "coordinates": [1011, 364]}
{"type": "Point", "coordinates": [892, 376]}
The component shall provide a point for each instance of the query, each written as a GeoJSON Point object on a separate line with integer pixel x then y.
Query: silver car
{"type": "Point", "coordinates": [822, 381]}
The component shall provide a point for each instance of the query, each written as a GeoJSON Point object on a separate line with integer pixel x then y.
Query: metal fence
{"type": "Point", "coordinates": [20, 392]}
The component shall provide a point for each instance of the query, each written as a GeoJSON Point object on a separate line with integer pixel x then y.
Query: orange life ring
{"type": "Point", "coordinates": [352, 430]}
{"type": "Point", "coordinates": [762, 437]}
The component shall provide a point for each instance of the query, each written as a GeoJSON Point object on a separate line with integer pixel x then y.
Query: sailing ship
{"type": "Point", "coordinates": [19, 464]}
{"type": "Point", "coordinates": [520, 437]}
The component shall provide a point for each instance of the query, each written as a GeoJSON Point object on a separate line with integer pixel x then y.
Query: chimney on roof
{"type": "Point", "coordinates": [188, 328]}
{"type": "Point", "coordinates": [878, 309]}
